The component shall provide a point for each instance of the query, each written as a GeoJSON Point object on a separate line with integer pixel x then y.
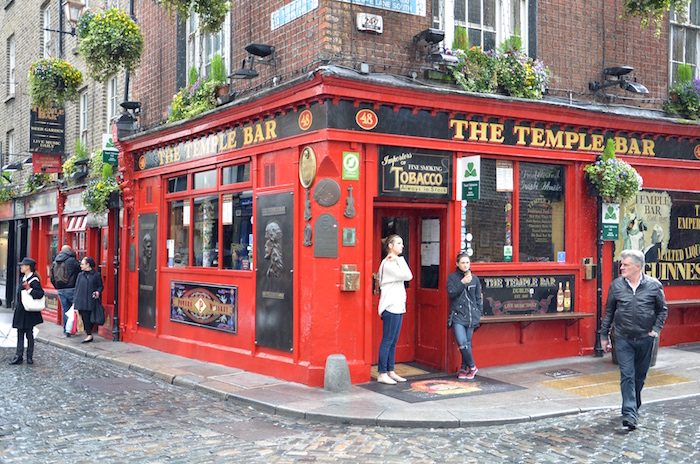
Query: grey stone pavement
{"type": "Point", "coordinates": [586, 384]}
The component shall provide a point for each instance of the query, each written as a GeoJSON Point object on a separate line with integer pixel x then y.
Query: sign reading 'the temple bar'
{"type": "Point", "coordinates": [408, 172]}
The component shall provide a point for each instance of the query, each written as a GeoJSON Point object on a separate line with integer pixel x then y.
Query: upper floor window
{"type": "Point", "coordinates": [685, 40]}
{"type": "Point", "coordinates": [84, 118]}
{"type": "Point", "coordinates": [112, 102]}
{"type": "Point", "coordinates": [11, 66]}
{"type": "Point", "coordinates": [201, 47]}
{"type": "Point", "coordinates": [47, 34]}
{"type": "Point", "coordinates": [11, 142]}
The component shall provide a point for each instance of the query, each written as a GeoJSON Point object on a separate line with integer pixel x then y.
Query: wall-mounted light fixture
{"type": "Point", "coordinates": [126, 122]}
{"type": "Point", "coordinates": [73, 10]}
{"type": "Point", "coordinates": [618, 74]}
{"type": "Point", "coordinates": [429, 37]}
{"type": "Point", "coordinates": [254, 50]}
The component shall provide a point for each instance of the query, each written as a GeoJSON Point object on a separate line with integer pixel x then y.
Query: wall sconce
{"type": "Point", "coordinates": [126, 122]}
{"type": "Point", "coordinates": [255, 50]}
{"type": "Point", "coordinates": [624, 83]}
{"type": "Point", "coordinates": [442, 59]}
{"type": "Point", "coordinates": [430, 37]}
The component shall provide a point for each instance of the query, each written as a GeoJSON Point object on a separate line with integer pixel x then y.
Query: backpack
{"type": "Point", "coordinates": [60, 274]}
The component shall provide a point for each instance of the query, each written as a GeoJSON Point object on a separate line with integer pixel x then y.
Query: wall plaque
{"type": "Point", "coordinates": [327, 192]}
{"type": "Point", "coordinates": [326, 233]}
{"type": "Point", "coordinates": [516, 295]}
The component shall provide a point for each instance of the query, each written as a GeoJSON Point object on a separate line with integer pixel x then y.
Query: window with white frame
{"type": "Point", "coordinates": [685, 40]}
{"type": "Point", "coordinates": [487, 22]}
{"type": "Point", "coordinates": [11, 142]}
{"type": "Point", "coordinates": [84, 118]}
{"type": "Point", "coordinates": [112, 102]}
{"type": "Point", "coordinates": [11, 66]}
{"type": "Point", "coordinates": [201, 47]}
{"type": "Point", "coordinates": [47, 34]}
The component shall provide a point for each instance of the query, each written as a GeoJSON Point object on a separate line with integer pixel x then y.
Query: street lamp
{"type": "Point", "coordinates": [74, 10]}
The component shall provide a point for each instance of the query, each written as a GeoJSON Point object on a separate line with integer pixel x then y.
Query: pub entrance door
{"type": "Point", "coordinates": [423, 332]}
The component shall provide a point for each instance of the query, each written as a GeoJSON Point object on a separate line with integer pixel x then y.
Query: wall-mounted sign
{"type": "Point", "coordinates": [516, 295]}
{"type": "Point", "coordinates": [370, 22]}
{"type": "Point", "coordinates": [468, 177]}
{"type": "Point", "coordinates": [43, 203]}
{"type": "Point", "coordinates": [408, 172]}
{"type": "Point", "coordinates": [110, 154]}
{"type": "Point", "coordinates": [73, 203]}
{"type": "Point", "coordinates": [291, 11]}
{"type": "Point", "coordinates": [412, 7]}
{"type": "Point", "coordinates": [351, 165]}
{"type": "Point", "coordinates": [213, 307]}
{"type": "Point", "coordinates": [47, 128]}
{"type": "Point", "coordinates": [46, 163]}
{"type": "Point", "coordinates": [611, 221]}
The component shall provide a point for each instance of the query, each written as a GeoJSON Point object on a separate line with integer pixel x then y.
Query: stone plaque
{"type": "Point", "coordinates": [327, 192]}
{"type": "Point", "coordinates": [326, 233]}
{"type": "Point", "coordinates": [132, 257]}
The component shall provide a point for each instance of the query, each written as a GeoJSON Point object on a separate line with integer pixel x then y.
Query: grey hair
{"type": "Point", "coordinates": [636, 256]}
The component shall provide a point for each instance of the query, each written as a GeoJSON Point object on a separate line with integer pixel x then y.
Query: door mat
{"type": "Point", "coordinates": [692, 347]}
{"type": "Point", "coordinates": [433, 387]}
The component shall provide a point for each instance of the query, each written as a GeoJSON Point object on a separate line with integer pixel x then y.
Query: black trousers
{"type": "Point", "coordinates": [86, 321]}
{"type": "Point", "coordinates": [21, 334]}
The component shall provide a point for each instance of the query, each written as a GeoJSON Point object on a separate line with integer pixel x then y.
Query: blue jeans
{"type": "Point", "coordinates": [634, 357]}
{"type": "Point", "coordinates": [65, 296]}
{"type": "Point", "coordinates": [463, 336]}
{"type": "Point", "coordinates": [390, 335]}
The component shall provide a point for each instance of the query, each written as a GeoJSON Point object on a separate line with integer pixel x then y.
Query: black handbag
{"type": "Point", "coordinates": [97, 316]}
{"type": "Point", "coordinates": [449, 319]}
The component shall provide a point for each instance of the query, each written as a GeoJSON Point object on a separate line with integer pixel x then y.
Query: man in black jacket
{"type": "Point", "coordinates": [64, 271]}
{"type": "Point", "coordinates": [637, 306]}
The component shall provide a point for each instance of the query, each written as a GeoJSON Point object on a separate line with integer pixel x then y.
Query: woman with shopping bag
{"type": "Point", "coordinates": [24, 320]}
{"type": "Point", "coordinates": [88, 290]}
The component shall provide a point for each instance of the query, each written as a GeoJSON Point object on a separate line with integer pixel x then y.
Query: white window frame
{"type": "Point", "coordinates": [445, 19]}
{"type": "Point", "coordinates": [112, 101]}
{"type": "Point", "coordinates": [10, 144]}
{"type": "Point", "coordinates": [197, 54]}
{"type": "Point", "coordinates": [11, 66]}
{"type": "Point", "coordinates": [47, 34]}
{"type": "Point", "coordinates": [690, 27]}
{"type": "Point", "coordinates": [84, 118]}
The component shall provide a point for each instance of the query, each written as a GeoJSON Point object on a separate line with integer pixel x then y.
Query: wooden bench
{"type": "Point", "coordinates": [683, 306]}
{"type": "Point", "coordinates": [525, 320]}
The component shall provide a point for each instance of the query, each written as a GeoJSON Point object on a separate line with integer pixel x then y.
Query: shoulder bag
{"type": "Point", "coordinates": [30, 304]}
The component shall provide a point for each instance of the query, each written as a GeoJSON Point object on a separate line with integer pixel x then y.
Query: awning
{"type": "Point", "coordinates": [77, 224]}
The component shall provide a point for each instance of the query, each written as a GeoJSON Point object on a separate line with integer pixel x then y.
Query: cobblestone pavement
{"type": "Point", "coordinates": [71, 409]}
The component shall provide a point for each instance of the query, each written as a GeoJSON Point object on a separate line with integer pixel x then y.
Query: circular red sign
{"type": "Point", "coordinates": [142, 162]}
{"type": "Point", "coordinates": [305, 120]}
{"type": "Point", "coordinates": [697, 151]}
{"type": "Point", "coordinates": [366, 119]}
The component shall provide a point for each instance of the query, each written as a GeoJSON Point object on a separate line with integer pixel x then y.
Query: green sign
{"type": "Point", "coordinates": [110, 154]}
{"type": "Point", "coordinates": [611, 221]}
{"type": "Point", "coordinates": [351, 165]}
{"type": "Point", "coordinates": [470, 190]}
{"type": "Point", "coordinates": [610, 231]}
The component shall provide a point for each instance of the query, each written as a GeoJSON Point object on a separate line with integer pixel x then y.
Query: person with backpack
{"type": "Point", "coordinates": [64, 271]}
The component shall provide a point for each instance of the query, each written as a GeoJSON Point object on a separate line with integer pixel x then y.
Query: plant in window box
{"type": "Point", "coordinates": [109, 41]}
{"type": "Point", "coordinates": [53, 81]}
{"type": "Point", "coordinates": [97, 194]}
{"type": "Point", "coordinates": [520, 75]}
{"type": "Point", "coordinates": [80, 154]}
{"type": "Point", "coordinates": [218, 74]}
{"type": "Point", "coordinates": [684, 95]}
{"type": "Point", "coordinates": [476, 70]}
{"type": "Point", "coordinates": [36, 181]}
{"type": "Point", "coordinates": [194, 99]}
{"type": "Point", "coordinates": [211, 13]}
{"type": "Point", "coordinates": [613, 179]}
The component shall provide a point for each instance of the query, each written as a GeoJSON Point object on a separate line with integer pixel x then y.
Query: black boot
{"type": "Point", "coordinates": [30, 350]}
{"type": "Point", "coordinates": [16, 360]}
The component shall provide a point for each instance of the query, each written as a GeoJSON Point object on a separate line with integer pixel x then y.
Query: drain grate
{"type": "Point", "coordinates": [561, 373]}
{"type": "Point", "coordinates": [115, 384]}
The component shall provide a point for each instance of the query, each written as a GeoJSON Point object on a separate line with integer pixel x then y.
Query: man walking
{"type": "Point", "coordinates": [64, 271]}
{"type": "Point", "coordinates": [637, 306]}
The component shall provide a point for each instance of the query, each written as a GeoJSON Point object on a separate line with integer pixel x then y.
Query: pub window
{"type": "Point", "coordinates": [206, 231]}
{"type": "Point", "coordinates": [204, 180]}
{"type": "Point", "coordinates": [236, 213]}
{"type": "Point", "coordinates": [235, 174]}
{"type": "Point", "coordinates": [179, 231]}
{"type": "Point", "coordinates": [177, 184]}
{"type": "Point", "coordinates": [53, 242]}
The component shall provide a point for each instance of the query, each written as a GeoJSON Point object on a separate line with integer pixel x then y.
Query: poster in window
{"type": "Point", "coordinates": [210, 306]}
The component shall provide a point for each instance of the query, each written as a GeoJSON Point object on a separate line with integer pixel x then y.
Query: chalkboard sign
{"type": "Point", "coordinates": [541, 211]}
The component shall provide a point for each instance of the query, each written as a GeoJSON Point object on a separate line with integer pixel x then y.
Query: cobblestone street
{"type": "Point", "coordinates": [72, 409]}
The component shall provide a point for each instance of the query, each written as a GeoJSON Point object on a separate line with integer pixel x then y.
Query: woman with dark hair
{"type": "Point", "coordinates": [392, 274]}
{"type": "Point", "coordinates": [88, 289]}
{"type": "Point", "coordinates": [464, 289]}
{"type": "Point", "coordinates": [24, 321]}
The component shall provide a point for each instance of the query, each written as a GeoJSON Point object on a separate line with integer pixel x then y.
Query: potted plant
{"type": "Point", "coordinates": [613, 179]}
{"type": "Point", "coordinates": [520, 75]}
{"type": "Point", "coordinates": [193, 100]}
{"type": "Point", "coordinates": [211, 13]}
{"type": "Point", "coordinates": [70, 164]}
{"type": "Point", "coordinates": [109, 41]}
{"type": "Point", "coordinates": [219, 75]}
{"type": "Point", "coordinates": [36, 181]}
{"type": "Point", "coordinates": [53, 81]}
{"type": "Point", "coordinates": [684, 95]}
{"type": "Point", "coordinates": [476, 70]}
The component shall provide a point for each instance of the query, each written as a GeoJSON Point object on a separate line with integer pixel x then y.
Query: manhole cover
{"type": "Point", "coordinates": [253, 430]}
{"type": "Point", "coordinates": [114, 384]}
{"type": "Point", "coordinates": [558, 374]}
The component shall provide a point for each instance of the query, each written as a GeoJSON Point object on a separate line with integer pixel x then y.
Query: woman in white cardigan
{"type": "Point", "coordinates": [392, 274]}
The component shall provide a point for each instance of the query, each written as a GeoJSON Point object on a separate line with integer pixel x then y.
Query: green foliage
{"type": "Point", "coordinates": [684, 99]}
{"type": "Point", "coordinates": [511, 44]}
{"type": "Point", "coordinates": [460, 42]}
{"type": "Point", "coordinates": [109, 41]}
{"type": "Point", "coordinates": [218, 69]}
{"type": "Point", "coordinates": [80, 154]}
{"type": "Point", "coordinates": [7, 190]}
{"type": "Point", "coordinates": [615, 179]}
{"type": "Point", "coordinates": [193, 100]}
{"type": "Point", "coordinates": [192, 76]}
{"type": "Point", "coordinates": [476, 70]}
{"type": "Point", "coordinates": [96, 165]}
{"type": "Point", "coordinates": [521, 76]}
{"type": "Point", "coordinates": [654, 10]}
{"type": "Point", "coordinates": [212, 13]}
{"type": "Point", "coordinates": [36, 180]}
{"type": "Point", "coordinates": [97, 193]}
{"type": "Point", "coordinates": [685, 73]}
{"type": "Point", "coordinates": [107, 170]}
{"type": "Point", "coordinates": [53, 81]}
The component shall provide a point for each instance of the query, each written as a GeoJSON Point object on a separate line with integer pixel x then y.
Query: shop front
{"type": "Point", "coordinates": [6, 260]}
{"type": "Point", "coordinates": [252, 234]}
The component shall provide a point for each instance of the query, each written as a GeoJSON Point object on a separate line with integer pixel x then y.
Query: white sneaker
{"type": "Point", "coordinates": [383, 378]}
{"type": "Point", "coordinates": [396, 376]}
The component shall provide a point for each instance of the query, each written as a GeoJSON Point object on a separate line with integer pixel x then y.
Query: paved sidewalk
{"type": "Point", "coordinates": [544, 389]}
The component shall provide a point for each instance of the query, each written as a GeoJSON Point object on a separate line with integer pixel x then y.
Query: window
{"type": "Point", "coordinates": [534, 210]}
{"type": "Point", "coordinates": [221, 232]}
{"type": "Point", "coordinates": [11, 66]}
{"type": "Point", "coordinates": [112, 102]}
{"type": "Point", "coordinates": [685, 40]}
{"type": "Point", "coordinates": [487, 22]}
{"type": "Point", "coordinates": [11, 143]}
{"type": "Point", "coordinates": [201, 48]}
{"type": "Point", "coordinates": [47, 33]}
{"type": "Point", "coordinates": [84, 118]}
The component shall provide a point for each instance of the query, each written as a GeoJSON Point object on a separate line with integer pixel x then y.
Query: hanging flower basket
{"type": "Point", "coordinates": [211, 13]}
{"type": "Point", "coordinates": [613, 179]}
{"type": "Point", "coordinates": [53, 81]}
{"type": "Point", "coordinates": [110, 41]}
{"type": "Point", "coordinates": [97, 194]}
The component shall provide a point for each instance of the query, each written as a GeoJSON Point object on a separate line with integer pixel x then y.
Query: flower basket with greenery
{"type": "Point", "coordinates": [194, 99]}
{"type": "Point", "coordinates": [211, 13]}
{"type": "Point", "coordinates": [684, 95]}
{"type": "Point", "coordinates": [109, 42]}
{"type": "Point", "coordinates": [7, 190]}
{"type": "Point", "coordinates": [615, 180]}
{"type": "Point", "coordinates": [97, 193]}
{"type": "Point", "coordinates": [476, 70]}
{"type": "Point", "coordinates": [654, 11]}
{"type": "Point", "coordinates": [80, 154]}
{"type": "Point", "coordinates": [35, 181]}
{"type": "Point", "coordinates": [522, 76]}
{"type": "Point", "coordinates": [53, 81]}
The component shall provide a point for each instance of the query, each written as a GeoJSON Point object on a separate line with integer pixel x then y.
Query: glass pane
{"type": "Point", "coordinates": [490, 13]}
{"type": "Point", "coordinates": [237, 211]}
{"type": "Point", "coordinates": [177, 184]}
{"type": "Point", "coordinates": [460, 10]}
{"type": "Point", "coordinates": [400, 226]}
{"type": "Point", "coordinates": [486, 218]}
{"type": "Point", "coordinates": [694, 12]}
{"type": "Point", "coordinates": [515, 17]}
{"type": "Point", "coordinates": [474, 37]}
{"type": "Point", "coordinates": [691, 47]}
{"type": "Point", "coordinates": [179, 231]}
{"type": "Point", "coordinates": [474, 12]}
{"type": "Point", "coordinates": [489, 40]}
{"type": "Point", "coordinates": [430, 242]}
{"type": "Point", "coordinates": [235, 174]}
{"type": "Point", "coordinates": [54, 224]}
{"type": "Point", "coordinates": [206, 179]}
{"type": "Point", "coordinates": [541, 211]}
{"type": "Point", "coordinates": [206, 231]}
{"type": "Point", "coordinates": [53, 251]}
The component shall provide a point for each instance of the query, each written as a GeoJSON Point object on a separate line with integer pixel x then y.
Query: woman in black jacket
{"type": "Point", "coordinates": [464, 289]}
{"type": "Point", "coordinates": [88, 289]}
{"type": "Point", "coordinates": [24, 321]}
